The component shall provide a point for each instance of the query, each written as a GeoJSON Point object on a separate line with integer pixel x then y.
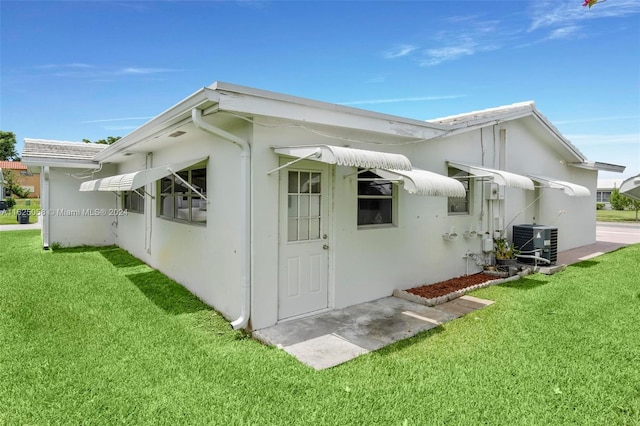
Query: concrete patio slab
{"type": "Point", "coordinates": [331, 338]}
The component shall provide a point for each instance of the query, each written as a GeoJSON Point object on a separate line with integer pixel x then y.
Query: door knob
{"type": "Point", "coordinates": [325, 247]}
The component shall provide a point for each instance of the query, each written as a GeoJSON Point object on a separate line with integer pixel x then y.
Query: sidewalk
{"type": "Point", "coordinates": [37, 225]}
{"type": "Point", "coordinates": [610, 236]}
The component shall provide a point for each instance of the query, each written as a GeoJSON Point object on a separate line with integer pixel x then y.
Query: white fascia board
{"type": "Point", "coordinates": [321, 113]}
{"type": "Point", "coordinates": [60, 163]}
{"type": "Point", "coordinates": [596, 165]}
{"type": "Point", "coordinates": [203, 98]}
{"type": "Point", "coordinates": [579, 156]}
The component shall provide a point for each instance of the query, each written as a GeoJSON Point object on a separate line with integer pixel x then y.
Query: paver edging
{"type": "Point", "coordinates": [433, 301]}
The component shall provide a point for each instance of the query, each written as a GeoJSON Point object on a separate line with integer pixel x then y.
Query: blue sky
{"type": "Point", "coordinates": [74, 70]}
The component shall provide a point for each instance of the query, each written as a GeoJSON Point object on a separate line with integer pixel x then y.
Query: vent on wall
{"type": "Point", "coordinates": [527, 238]}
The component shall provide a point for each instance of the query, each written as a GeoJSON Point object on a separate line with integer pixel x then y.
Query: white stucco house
{"type": "Point", "coordinates": [269, 206]}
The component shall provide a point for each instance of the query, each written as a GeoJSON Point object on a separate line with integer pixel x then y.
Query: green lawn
{"type": "Point", "coordinates": [8, 217]}
{"type": "Point", "coordinates": [95, 336]}
{"type": "Point", "coordinates": [616, 215]}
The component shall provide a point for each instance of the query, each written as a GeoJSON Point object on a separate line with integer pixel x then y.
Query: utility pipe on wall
{"type": "Point", "coordinates": [44, 195]}
{"type": "Point", "coordinates": [245, 212]}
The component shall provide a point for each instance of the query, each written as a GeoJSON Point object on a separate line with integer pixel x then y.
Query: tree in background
{"type": "Point", "coordinates": [13, 187]}
{"type": "Point", "coordinates": [108, 141]}
{"type": "Point", "coordinates": [8, 146]}
{"type": "Point", "coordinates": [618, 201]}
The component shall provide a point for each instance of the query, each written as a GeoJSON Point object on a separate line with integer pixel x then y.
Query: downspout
{"type": "Point", "coordinates": [245, 212]}
{"type": "Point", "coordinates": [44, 193]}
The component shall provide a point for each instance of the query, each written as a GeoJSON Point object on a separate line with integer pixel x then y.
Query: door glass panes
{"type": "Point", "coordinates": [304, 206]}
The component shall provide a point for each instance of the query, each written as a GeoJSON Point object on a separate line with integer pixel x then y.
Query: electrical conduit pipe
{"type": "Point", "coordinates": [245, 184]}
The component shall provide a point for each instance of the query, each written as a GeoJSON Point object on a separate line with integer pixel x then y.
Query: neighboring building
{"type": "Point", "coordinates": [605, 189]}
{"type": "Point", "coordinates": [23, 177]}
{"type": "Point", "coordinates": [269, 206]}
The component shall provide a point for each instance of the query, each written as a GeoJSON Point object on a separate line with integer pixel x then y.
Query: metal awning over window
{"type": "Point", "coordinates": [571, 189]}
{"type": "Point", "coordinates": [498, 176]}
{"type": "Point", "coordinates": [342, 156]}
{"type": "Point", "coordinates": [134, 180]}
{"type": "Point", "coordinates": [631, 188]}
{"type": "Point", "coordinates": [422, 182]}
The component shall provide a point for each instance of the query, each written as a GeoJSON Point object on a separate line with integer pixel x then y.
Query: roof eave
{"type": "Point", "coordinates": [203, 98]}
{"type": "Point", "coordinates": [596, 165]}
{"type": "Point", "coordinates": [64, 163]}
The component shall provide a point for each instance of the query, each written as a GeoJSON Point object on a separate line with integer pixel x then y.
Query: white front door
{"type": "Point", "coordinates": [303, 246]}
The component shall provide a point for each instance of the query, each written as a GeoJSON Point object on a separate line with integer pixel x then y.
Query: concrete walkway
{"type": "Point", "coordinates": [332, 338]}
{"type": "Point", "coordinates": [37, 225]}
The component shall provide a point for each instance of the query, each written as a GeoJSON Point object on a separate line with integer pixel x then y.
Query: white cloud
{"type": "Point", "coordinates": [571, 31]}
{"type": "Point", "coordinates": [140, 70]}
{"type": "Point", "coordinates": [602, 139]}
{"type": "Point", "coordinates": [443, 54]}
{"type": "Point", "coordinates": [399, 51]}
{"type": "Point", "coordinates": [396, 100]}
{"type": "Point", "coordinates": [75, 65]}
{"type": "Point", "coordinates": [593, 119]}
{"type": "Point", "coordinates": [552, 13]}
{"type": "Point", "coordinates": [107, 120]}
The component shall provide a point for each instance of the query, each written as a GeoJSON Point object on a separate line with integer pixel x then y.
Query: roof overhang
{"type": "Point", "coordinates": [135, 180]}
{"type": "Point", "coordinates": [596, 165]}
{"type": "Point", "coordinates": [423, 182]}
{"type": "Point", "coordinates": [631, 188]}
{"type": "Point", "coordinates": [498, 176]}
{"type": "Point", "coordinates": [571, 189]}
{"type": "Point", "coordinates": [351, 157]}
{"type": "Point", "coordinates": [62, 163]}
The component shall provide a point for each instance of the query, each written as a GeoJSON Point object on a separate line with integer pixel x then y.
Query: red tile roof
{"type": "Point", "coordinates": [13, 165]}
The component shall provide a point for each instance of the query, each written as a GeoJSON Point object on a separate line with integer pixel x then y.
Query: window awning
{"type": "Point", "coordinates": [571, 189]}
{"type": "Point", "coordinates": [422, 182]}
{"type": "Point", "coordinates": [342, 156]}
{"type": "Point", "coordinates": [631, 188]}
{"type": "Point", "coordinates": [499, 176]}
{"type": "Point", "coordinates": [134, 180]}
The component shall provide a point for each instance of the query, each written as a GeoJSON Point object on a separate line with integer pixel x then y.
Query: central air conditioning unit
{"type": "Point", "coordinates": [543, 239]}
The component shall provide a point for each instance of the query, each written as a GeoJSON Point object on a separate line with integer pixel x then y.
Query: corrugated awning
{"type": "Point", "coordinates": [571, 189]}
{"type": "Point", "coordinates": [498, 176]}
{"type": "Point", "coordinates": [422, 182]}
{"type": "Point", "coordinates": [352, 157]}
{"type": "Point", "coordinates": [134, 180]}
{"type": "Point", "coordinates": [631, 188]}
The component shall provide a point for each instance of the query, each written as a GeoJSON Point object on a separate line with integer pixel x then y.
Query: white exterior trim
{"type": "Point", "coordinates": [131, 181]}
{"type": "Point", "coordinates": [423, 182]}
{"type": "Point", "coordinates": [500, 177]}
{"type": "Point", "coordinates": [571, 189]}
{"type": "Point", "coordinates": [631, 188]}
{"type": "Point", "coordinates": [352, 157]}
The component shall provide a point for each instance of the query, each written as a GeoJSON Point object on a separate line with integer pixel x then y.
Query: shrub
{"type": "Point", "coordinates": [10, 202]}
{"type": "Point", "coordinates": [599, 206]}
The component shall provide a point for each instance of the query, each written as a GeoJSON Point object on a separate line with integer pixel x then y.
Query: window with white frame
{"type": "Point", "coordinates": [179, 201]}
{"type": "Point", "coordinates": [133, 201]}
{"type": "Point", "coordinates": [459, 205]}
{"type": "Point", "coordinates": [375, 200]}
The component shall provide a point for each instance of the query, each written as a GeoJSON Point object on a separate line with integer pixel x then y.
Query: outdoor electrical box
{"type": "Point", "coordinates": [543, 239]}
{"type": "Point", "coordinates": [493, 191]}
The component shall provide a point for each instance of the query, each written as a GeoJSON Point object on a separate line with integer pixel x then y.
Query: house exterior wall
{"type": "Point", "coordinates": [77, 218]}
{"type": "Point", "coordinates": [364, 264]}
{"type": "Point", "coordinates": [205, 259]}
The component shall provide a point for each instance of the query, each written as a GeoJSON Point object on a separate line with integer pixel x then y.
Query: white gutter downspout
{"type": "Point", "coordinates": [245, 212]}
{"type": "Point", "coordinates": [44, 194]}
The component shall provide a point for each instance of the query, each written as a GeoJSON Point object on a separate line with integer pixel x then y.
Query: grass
{"type": "Point", "coordinates": [9, 216]}
{"type": "Point", "coordinates": [95, 336]}
{"type": "Point", "coordinates": [616, 215]}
